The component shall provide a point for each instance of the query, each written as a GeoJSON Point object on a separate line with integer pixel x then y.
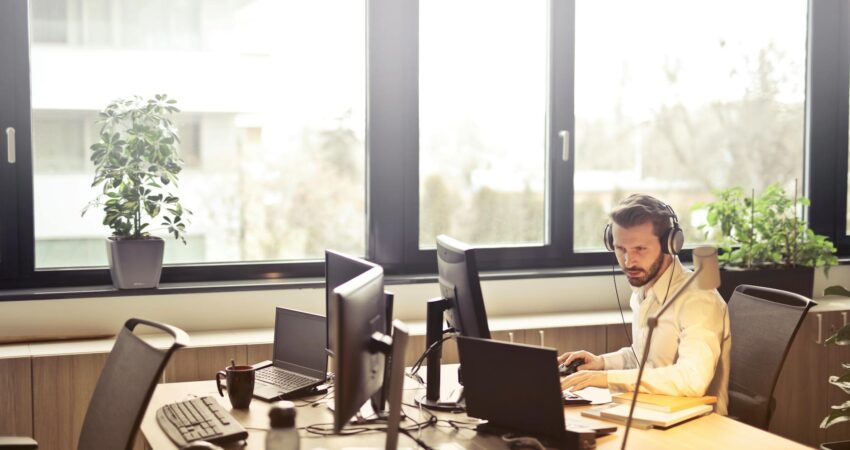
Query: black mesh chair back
{"type": "Point", "coordinates": [125, 386]}
{"type": "Point", "coordinates": [764, 322]}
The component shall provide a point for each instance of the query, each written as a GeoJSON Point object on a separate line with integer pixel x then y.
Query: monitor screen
{"type": "Point", "coordinates": [357, 311]}
{"type": "Point", "coordinates": [459, 284]}
{"type": "Point", "coordinates": [299, 340]}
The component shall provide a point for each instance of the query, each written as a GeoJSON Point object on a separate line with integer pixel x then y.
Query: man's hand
{"type": "Point", "coordinates": [591, 361]}
{"type": "Point", "coordinates": [585, 378]}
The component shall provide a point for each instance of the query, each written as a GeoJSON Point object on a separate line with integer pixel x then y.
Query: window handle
{"type": "Point", "coordinates": [10, 145]}
{"type": "Point", "coordinates": [565, 138]}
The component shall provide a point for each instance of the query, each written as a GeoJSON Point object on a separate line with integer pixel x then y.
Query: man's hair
{"type": "Point", "coordinates": [638, 209]}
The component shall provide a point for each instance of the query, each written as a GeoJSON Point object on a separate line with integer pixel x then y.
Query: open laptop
{"type": "Point", "coordinates": [300, 362]}
{"type": "Point", "coordinates": [516, 388]}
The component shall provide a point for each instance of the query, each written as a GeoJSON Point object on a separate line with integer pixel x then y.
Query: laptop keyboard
{"type": "Point", "coordinates": [289, 381]}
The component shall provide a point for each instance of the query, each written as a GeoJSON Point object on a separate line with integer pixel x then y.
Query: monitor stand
{"type": "Point", "coordinates": [393, 347]}
{"type": "Point", "coordinates": [433, 335]}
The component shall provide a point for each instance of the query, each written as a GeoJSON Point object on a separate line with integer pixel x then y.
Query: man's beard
{"type": "Point", "coordinates": [650, 275]}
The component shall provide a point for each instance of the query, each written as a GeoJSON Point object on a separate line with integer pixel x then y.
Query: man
{"type": "Point", "coordinates": [689, 352]}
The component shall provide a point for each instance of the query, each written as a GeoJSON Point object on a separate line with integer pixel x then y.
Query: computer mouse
{"type": "Point", "coordinates": [200, 445]}
{"type": "Point", "coordinates": [565, 370]}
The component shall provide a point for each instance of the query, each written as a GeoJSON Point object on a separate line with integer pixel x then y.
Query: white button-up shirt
{"type": "Point", "coordinates": [689, 353]}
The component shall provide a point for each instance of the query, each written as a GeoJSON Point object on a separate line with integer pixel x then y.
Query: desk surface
{"type": "Point", "coordinates": [709, 432]}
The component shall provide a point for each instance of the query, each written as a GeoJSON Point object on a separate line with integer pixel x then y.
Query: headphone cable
{"type": "Point", "coordinates": [620, 307]}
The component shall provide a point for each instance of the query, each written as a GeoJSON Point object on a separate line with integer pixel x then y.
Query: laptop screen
{"type": "Point", "coordinates": [299, 341]}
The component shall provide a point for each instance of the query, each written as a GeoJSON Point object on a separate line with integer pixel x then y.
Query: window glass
{"type": "Point", "coordinates": [482, 121]}
{"type": "Point", "coordinates": [273, 109]}
{"type": "Point", "coordinates": [677, 99]}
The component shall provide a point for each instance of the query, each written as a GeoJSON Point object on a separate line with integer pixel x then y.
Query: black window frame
{"type": "Point", "coordinates": [827, 93]}
{"type": "Point", "coordinates": [392, 158]}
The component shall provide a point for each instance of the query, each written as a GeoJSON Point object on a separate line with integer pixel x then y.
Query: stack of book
{"type": "Point", "coordinates": [653, 410]}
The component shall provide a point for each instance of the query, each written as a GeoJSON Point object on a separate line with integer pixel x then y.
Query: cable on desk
{"type": "Point", "coordinates": [317, 401]}
{"type": "Point", "coordinates": [447, 334]}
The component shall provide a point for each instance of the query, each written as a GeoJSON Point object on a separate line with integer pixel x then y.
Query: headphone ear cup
{"type": "Point", "coordinates": [608, 238]}
{"type": "Point", "coordinates": [677, 240]}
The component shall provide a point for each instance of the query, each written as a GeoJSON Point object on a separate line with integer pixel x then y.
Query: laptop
{"type": "Point", "coordinates": [517, 389]}
{"type": "Point", "coordinates": [300, 362]}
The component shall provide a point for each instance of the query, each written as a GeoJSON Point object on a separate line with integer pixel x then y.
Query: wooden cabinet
{"type": "Point", "coordinates": [195, 364]}
{"type": "Point", "coordinates": [16, 397]}
{"type": "Point", "coordinates": [803, 395]}
{"type": "Point", "coordinates": [62, 389]}
{"type": "Point", "coordinates": [836, 356]}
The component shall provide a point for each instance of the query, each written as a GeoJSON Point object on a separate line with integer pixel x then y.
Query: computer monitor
{"type": "Point", "coordinates": [341, 268]}
{"type": "Point", "coordinates": [462, 307]}
{"type": "Point", "coordinates": [361, 347]}
{"type": "Point", "coordinates": [458, 277]}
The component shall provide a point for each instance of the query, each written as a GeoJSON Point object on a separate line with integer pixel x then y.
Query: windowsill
{"type": "Point", "coordinates": [293, 283]}
{"type": "Point", "coordinates": [258, 285]}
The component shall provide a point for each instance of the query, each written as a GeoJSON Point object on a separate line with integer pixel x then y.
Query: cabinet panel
{"type": "Point", "coordinates": [259, 352]}
{"type": "Point", "coordinates": [591, 339]}
{"type": "Point", "coordinates": [196, 364]}
{"type": "Point", "coordinates": [617, 337]}
{"type": "Point", "coordinates": [506, 336]}
{"type": "Point", "coordinates": [415, 347]}
{"type": "Point", "coordinates": [836, 355]}
{"type": "Point", "coordinates": [62, 390]}
{"type": "Point", "coordinates": [801, 391]}
{"type": "Point", "coordinates": [16, 398]}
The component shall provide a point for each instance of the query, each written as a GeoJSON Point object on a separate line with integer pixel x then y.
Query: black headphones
{"type": "Point", "coordinates": [672, 240]}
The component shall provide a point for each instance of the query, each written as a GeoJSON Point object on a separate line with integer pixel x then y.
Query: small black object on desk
{"type": "Point", "coordinates": [565, 370]}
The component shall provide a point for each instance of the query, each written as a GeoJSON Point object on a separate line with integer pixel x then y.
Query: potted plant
{"type": "Point", "coordinates": [136, 163]}
{"type": "Point", "coordinates": [764, 242]}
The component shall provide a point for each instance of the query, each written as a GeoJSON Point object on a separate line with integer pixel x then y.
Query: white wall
{"type": "Point", "coordinates": [42, 319]}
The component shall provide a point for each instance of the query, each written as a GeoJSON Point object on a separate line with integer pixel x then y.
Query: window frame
{"type": "Point", "coordinates": [827, 94]}
{"type": "Point", "coordinates": [392, 154]}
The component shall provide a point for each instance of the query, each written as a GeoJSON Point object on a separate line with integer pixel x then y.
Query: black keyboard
{"type": "Point", "coordinates": [289, 381]}
{"type": "Point", "coordinates": [199, 418]}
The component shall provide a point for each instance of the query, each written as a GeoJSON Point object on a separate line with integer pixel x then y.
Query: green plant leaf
{"type": "Point", "coordinates": [836, 290]}
{"type": "Point", "coordinates": [837, 414]}
{"type": "Point", "coordinates": [841, 337]}
{"type": "Point", "coordinates": [843, 382]}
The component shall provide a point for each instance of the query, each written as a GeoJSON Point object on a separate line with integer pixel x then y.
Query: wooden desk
{"type": "Point", "coordinates": [709, 432]}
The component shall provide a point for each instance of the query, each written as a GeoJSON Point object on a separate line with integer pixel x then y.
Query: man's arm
{"type": "Point", "coordinates": [623, 358]}
{"type": "Point", "coordinates": [703, 326]}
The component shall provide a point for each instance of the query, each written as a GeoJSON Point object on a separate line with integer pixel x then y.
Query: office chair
{"type": "Point", "coordinates": [123, 391]}
{"type": "Point", "coordinates": [764, 322]}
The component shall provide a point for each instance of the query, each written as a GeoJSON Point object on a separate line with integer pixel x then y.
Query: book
{"type": "Point", "coordinates": [663, 403]}
{"type": "Point", "coordinates": [645, 418]}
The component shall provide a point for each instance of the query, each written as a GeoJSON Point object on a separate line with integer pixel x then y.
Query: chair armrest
{"type": "Point", "coordinates": [18, 443]}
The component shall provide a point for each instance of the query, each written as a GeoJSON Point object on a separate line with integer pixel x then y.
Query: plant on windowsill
{"type": "Point", "coordinates": [763, 241]}
{"type": "Point", "coordinates": [137, 162]}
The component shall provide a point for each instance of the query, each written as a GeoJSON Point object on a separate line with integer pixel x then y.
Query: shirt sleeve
{"type": "Point", "coordinates": [623, 358]}
{"type": "Point", "coordinates": [702, 324]}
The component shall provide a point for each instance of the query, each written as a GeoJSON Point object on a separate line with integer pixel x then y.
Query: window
{"type": "Point", "coordinates": [678, 100]}
{"type": "Point", "coordinates": [269, 110]}
{"type": "Point", "coordinates": [371, 127]}
{"type": "Point", "coordinates": [482, 121]}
